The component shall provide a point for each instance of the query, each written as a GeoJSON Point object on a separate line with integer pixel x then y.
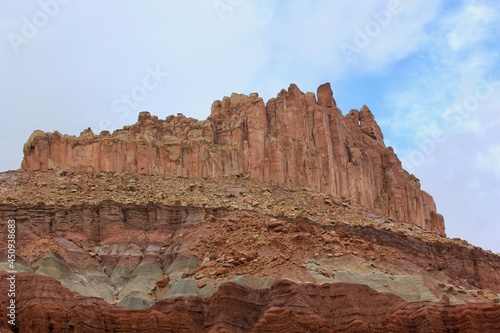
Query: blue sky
{"type": "Point", "coordinates": [429, 71]}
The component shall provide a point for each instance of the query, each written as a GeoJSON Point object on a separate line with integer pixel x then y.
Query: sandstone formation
{"type": "Point", "coordinates": [295, 139]}
{"type": "Point", "coordinates": [279, 217]}
{"type": "Point", "coordinates": [46, 306]}
{"type": "Point", "coordinates": [104, 252]}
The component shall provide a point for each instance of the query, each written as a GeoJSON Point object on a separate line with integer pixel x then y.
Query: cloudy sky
{"type": "Point", "coordinates": [429, 71]}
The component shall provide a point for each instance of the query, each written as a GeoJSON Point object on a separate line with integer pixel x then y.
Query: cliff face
{"type": "Point", "coordinates": [295, 139]}
{"type": "Point", "coordinates": [129, 252]}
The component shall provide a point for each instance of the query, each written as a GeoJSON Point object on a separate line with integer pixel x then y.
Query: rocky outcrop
{"type": "Point", "coordinates": [96, 223]}
{"type": "Point", "coordinates": [43, 305]}
{"type": "Point", "coordinates": [116, 232]}
{"type": "Point", "coordinates": [295, 139]}
{"type": "Point", "coordinates": [284, 216]}
{"type": "Point", "coordinates": [128, 252]}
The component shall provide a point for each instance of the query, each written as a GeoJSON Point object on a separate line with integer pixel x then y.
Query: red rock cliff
{"type": "Point", "coordinates": [295, 139]}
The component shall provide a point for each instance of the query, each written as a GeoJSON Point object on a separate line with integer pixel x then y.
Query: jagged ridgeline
{"type": "Point", "coordinates": [285, 216]}
{"type": "Point", "coordinates": [295, 139]}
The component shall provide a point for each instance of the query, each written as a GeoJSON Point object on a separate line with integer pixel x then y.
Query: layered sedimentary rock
{"type": "Point", "coordinates": [279, 217]}
{"type": "Point", "coordinates": [128, 252]}
{"type": "Point", "coordinates": [135, 235]}
{"type": "Point", "coordinates": [295, 139]}
{"type": "Point", "coordinates": [43, 305]}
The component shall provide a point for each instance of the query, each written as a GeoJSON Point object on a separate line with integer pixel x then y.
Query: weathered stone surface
{"type": "Point", "coordinates": [118, 251]}
{"type": "Point", "coordinates": [43, 305]}
{"type": "Point", "coordinates": [163, 281]}
{"type": "Point", "coordinates": [293, 140]}
{"type": "Point", "coordinates": [181, 225]}
{"type": "Point", "coordinates": [125, 249]}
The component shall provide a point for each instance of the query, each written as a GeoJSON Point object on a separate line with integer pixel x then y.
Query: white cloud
{"type": "Point", "coordinates": [441, 93]}
{"type": "Point", "coordinates": [445, 122]}
{"type": "Point", "coordinates": [404, 34]}
{"type": "Point", "coordinates": [470, 26]}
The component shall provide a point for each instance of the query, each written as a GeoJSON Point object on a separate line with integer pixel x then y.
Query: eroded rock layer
{"type": "Point", "coordinates": [43, 305]}
{"type": "Point", "coordinates": [128, 252]}
{"type": "Point", "coordinates": [295, 139]}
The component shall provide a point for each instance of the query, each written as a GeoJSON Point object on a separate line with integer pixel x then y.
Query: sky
{"type": "Point", "coordinates": [428, 70]}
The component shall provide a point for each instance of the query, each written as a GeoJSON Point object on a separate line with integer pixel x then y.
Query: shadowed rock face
{"type": "Point", "coordinates": [43, 305]}
{"type": "Point", "coordinates": [295, 139]}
